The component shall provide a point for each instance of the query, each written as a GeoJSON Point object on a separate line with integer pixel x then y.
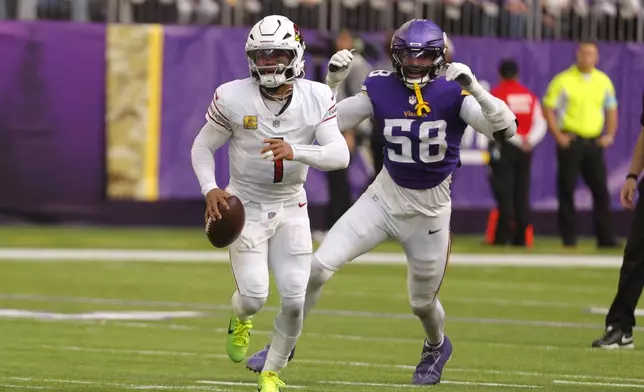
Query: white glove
{"type": "Point", "coordinates": [339, 66]}
{"type": "Point", "coordinates": [461, 74]}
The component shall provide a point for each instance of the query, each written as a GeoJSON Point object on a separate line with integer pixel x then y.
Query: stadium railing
{"type": "Point", "coordinates": [611, 20]}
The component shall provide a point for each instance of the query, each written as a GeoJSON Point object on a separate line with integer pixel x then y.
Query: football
{"type": "Point", "coordinates": [223, 232]}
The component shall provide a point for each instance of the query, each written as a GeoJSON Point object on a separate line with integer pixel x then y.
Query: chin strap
{"type": "Point", "coordinates": [421, 105]}
{"type": "Point", "coordinates": [271, 93]}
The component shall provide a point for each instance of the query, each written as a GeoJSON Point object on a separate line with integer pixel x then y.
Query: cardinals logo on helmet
{"type": "Point", "coordinates": [298, 34]}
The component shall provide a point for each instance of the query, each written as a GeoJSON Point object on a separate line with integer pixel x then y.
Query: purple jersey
{"type": "Point", "coordinates": [420, 151]}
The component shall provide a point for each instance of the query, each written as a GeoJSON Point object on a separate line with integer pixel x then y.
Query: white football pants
{"type": "Point", "coordinates": [275, 236]}
{"type": "Point", "coordinates": [425, 240]}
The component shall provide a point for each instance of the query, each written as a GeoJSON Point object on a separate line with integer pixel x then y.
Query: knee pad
{"type": "Point", "coordinates": [251, 305]}
{"type": "Point", "coordinates": [319, 274]}
{"type": "Point", "coordinates": [293, 307]}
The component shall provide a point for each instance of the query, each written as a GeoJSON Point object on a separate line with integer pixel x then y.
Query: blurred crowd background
{"type": "Point", "coordinates": [121, 88]}
{"type": "Point", "coordinates": [544, 19]}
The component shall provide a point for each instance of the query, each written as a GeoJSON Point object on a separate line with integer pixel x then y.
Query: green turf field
{"type": "Point", "coordinates": [513, 328]}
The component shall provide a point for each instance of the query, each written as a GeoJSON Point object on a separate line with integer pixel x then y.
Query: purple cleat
{"type": "Point", "coordinates": [432, 362]}
{"type": "Point", "coordinates": [257, 361]}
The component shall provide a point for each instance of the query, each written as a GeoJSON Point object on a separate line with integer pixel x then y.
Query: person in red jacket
{"type": "Point", "coordinates": [510, 161]}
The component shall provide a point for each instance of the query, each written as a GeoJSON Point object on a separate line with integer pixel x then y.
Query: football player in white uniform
{"type": "Point", "coordinates": [272, 120]}
{"type": "Point", "coordinates": [423, 116]}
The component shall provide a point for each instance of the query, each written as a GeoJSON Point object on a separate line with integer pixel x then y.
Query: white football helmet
{"type": "Point", "coordinates": [276, 43]}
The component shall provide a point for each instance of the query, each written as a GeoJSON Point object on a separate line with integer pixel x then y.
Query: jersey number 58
{"type": "Point", "coordinates": [415, 141]}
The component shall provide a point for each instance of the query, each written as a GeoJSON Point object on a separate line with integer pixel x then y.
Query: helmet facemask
{"type": "Point", "coordinates": [272, 68]}
{"type": "Point", "coordinates": [418, 66]}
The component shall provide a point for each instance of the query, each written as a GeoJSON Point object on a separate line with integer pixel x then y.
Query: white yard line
{"type": "Point", "coordinates": [460, 300]}
{"type": "Point", "coordinates": [352, 364]}
{"type": "Point", "coordinates": [598, 384]}
{"type": "Point", "coordinates": [178, 256]}
{"type": "Point", "coordinates": [470, 383]}
{"type": "Point", "coordinates": [205, 306]}
{"type": "Point", "coordinates": [604, 311]}
{"type": "Point", "coordinates": [102, 315]}
{"type": "Point", "coordinates": [106, 384]}
{"type": "Point", "coordinates": [178, 387]}
{"type": "Point", "coordinates": [452, 319]}
{"type": "Point", "coordinates": [180, 327]}
{"type": "Point", "coordinates": [327, 312]}
{"type": "Point", "coordinates": [210, 385]}
{"type": "Point", "coordinates": [242, 384]}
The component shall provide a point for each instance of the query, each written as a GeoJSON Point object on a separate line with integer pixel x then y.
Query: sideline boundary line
{"type": "Point", "coordinates": [179, 256]}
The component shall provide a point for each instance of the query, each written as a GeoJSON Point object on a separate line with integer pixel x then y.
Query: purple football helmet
{"type": "Point", "coordinates": [418, 52]}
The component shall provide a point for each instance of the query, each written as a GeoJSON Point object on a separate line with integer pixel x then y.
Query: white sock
{"type": "Point", "coordinates": [433, 322]}
{"type": "Point", "coordinates": [288, 327]}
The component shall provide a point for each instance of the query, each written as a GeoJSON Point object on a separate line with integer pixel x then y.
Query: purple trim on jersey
{"type": "Point", "coordinates": [420, 152]}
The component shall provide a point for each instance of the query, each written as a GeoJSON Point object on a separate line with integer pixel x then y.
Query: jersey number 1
{"type": "Point", "coordinates": [278, 168]}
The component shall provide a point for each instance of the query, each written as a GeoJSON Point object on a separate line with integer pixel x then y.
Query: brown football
{"type": "Point", "coordinates": [223, 232]}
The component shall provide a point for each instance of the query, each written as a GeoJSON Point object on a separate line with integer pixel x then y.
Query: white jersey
{"type": "Point", "coordinates": [239, 112]}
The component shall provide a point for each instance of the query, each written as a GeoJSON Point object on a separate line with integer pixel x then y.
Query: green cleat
{"type": "Point", "coordinates": [238, 338]}
{"type": "Point", "coordinates": [269, 382]}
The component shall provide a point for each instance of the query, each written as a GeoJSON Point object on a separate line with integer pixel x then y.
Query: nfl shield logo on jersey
{"type": "Point", "coordinates": [271, 215]}
{"type": "Point", "coordinates": [412, 100]}
{"type": "Point", "coordinates": [250, 122]}
{"type": "Point", "coordinates": [276, 123]}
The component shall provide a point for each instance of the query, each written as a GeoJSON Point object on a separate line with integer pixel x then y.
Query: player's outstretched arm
{"type": "Point", "coordinates": [354, 110]}
{"type": "Point", "coordinates": [481, 110]}
{"type": "Point", "coordinates": [332, 153]}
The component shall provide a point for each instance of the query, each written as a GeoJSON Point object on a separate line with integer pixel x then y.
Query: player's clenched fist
{"type": "Point", "coordinates": [339, 66]}
{"type": "Point", "coordinates": [277, 149]}
{"type": "Point", "coordinates": [460, 73]}
{"type": "Point", "coordinates": [213, 199]}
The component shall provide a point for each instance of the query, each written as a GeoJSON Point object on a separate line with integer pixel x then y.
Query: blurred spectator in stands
{"type": "Point", "coordinates": [22, 10]}
{"type": "Point", "coordinates": [489, 17]}
{"type": "Point", "coordinates": [510, 166]}
{"type": "Point", "coordinates": [449, 50]}
{"type": "Point", "coordinates": [376, 138]}
{"type": "Point", "coordinates": [515, 17]}
{"type": "Point", "coordinates": [338, 180]}
{"type": "Point", "coordinates": [629, 12]}
{"type": "Point", "coordinates": [585, 99]}
{"type": "Point", "coordinates": [552, 16]}
{"type": "Point", "coordinates": [154, 11]}
{"type": "Point", "coordinates": [54, 9]}
{"type": "Point", "coordinates": [384, 62]}
{"type": "Point", "coordinates": [612, 26]}
{"type": "Point", "coordinates": [471, 17]}
{"type": "Point", "coordinates": [197, 11]}
{"type": "Point", "coordinates": [4, 11]}
{"type": "Point", "coordinates": [76, 10]}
